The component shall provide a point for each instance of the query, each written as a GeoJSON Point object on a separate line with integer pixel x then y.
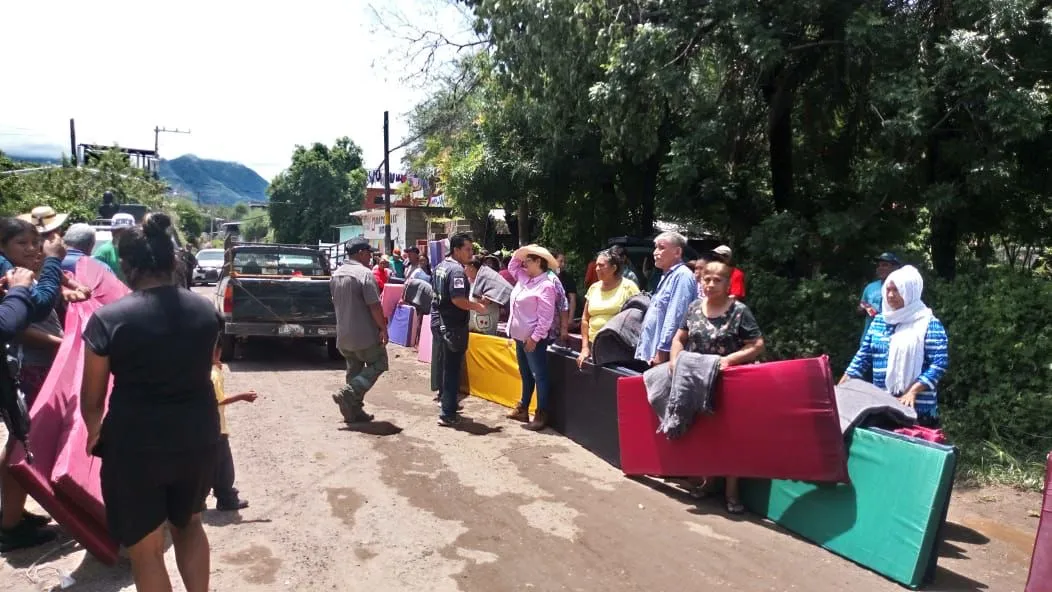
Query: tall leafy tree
{"type": "Point", "coordinates": [322, 187]}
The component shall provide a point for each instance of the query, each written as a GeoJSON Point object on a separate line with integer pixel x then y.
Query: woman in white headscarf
{"type": "Point", "coordinates": [906, 350]}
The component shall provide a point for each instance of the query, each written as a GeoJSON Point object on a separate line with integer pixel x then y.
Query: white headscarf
{"type": "Point", "coordinates": [910, 323]}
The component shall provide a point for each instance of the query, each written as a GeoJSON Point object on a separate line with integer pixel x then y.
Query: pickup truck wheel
{"type": "Point", "coordinates": [333, 351]}
{"type": "Point", "coordinates": [226, 347]}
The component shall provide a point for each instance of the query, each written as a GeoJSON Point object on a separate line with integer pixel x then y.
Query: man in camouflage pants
{"type": "Point", "coordinates": [361, 330]}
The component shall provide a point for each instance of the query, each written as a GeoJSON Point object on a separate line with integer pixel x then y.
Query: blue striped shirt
{"type": "Point", "coordinates": [872, 357]}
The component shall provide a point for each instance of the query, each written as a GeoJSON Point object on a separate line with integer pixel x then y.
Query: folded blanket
{"type": "Point", "coordinates": [616, 342]}
{"type": "Point", "coordinates": [418, 294]}
{"type": "Point", "coordinates": [679, 396]}
{"type": "Point", "coordinates": [640, 301]}
{"type": "Point", "coordinates": [489, 284]}
{"type": "Point", "coordinates": [860, 403]}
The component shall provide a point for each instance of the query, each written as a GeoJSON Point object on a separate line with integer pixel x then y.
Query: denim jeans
{"type": "Point", "coordinates": [533, 369]}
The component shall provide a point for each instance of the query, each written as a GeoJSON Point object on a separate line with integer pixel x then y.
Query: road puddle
{"type": "Point", "coordinates": [1020, 541]}
{"type": "Point", "coordinates": [260, 565]}
{"type": "Point", "coordinates": [344, 502]}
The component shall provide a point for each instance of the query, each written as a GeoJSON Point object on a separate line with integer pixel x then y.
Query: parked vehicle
{"type": "Point", "coordinates": [275, 291]}
{"type": "Point", "coordinates": [209, 264]}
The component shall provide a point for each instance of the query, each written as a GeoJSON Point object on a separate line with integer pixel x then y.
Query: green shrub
{"type": "Point", "coordinates": [998, 387]}
{"type": "Point", "coordinates": [806, 318]}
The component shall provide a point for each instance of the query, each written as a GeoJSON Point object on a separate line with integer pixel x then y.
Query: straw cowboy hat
{"type": "Point", "coordinates": [540, 252]}
{"type": "Point", "coordinates": [45, 219]}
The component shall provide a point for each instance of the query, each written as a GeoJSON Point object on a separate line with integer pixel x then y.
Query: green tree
{"type": "Point", "coordinates": [322, 187]}
{"type": "Point", "coordinates": [191, 222]}
{"type": "Point", "coordinates": [76, 190]}
{"type": "Point", "coordinates": [240, 211]}
{"type": "Point", "coordinates": [255, 228]}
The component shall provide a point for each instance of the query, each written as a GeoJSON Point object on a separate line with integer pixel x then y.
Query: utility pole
{"type": "Point", "coordinates": [72, 142]}
{"type": "Point", "coordinates": [389, 246]}
{"type": "Point", "coordinates": [157, 131]}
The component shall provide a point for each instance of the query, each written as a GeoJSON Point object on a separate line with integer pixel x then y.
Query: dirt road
{"type": "Point", "coordinates": [407, 505]}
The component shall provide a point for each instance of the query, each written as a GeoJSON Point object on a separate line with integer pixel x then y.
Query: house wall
{"type": "Point", "coordinates": [349, 232]}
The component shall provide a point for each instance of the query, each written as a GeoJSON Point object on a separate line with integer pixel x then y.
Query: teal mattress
{"type": "Point", "coordinates": [887, 519]}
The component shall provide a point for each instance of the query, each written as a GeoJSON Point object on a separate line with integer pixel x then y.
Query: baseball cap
{"type": "Point", "coordinates": [889, 257]}
{"type": "Point", "coordinates": [413, 250]}
{"type": "Point", "coordinates": [357, 245]}
{"type": "Point", "coordinates": [723, 251]}
{"type": "Point", "coordinates": [122, 220]}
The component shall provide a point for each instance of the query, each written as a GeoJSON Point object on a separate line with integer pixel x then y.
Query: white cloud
{"type": "Point", "coordinates": [250, 80]}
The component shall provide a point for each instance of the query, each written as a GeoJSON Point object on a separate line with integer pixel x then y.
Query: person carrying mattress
{"type": "Point", "coordinates": [905, 350]}
{"type": "Point", "coordinates": [22, 245]}
{"type": "Point", "coordinates": [718, 325]}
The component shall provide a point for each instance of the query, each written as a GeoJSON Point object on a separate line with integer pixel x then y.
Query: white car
{"type": "Point", "coordinates": [209, 264]}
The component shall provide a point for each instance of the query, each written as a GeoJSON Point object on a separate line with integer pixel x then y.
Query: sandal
{"type": "Point", "coordinates": [700, 491]}
{"type": "Point", "coordinates": [735, 507]}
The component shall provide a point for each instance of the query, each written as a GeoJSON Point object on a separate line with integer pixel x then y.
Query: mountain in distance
{"type": "Point", "coordinates": [214, 182]}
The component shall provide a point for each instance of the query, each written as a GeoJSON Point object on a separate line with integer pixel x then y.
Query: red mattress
{"type": "Point", "coordinates": [63, 478]}
{"type": "Point", "coordinates": [1040, 579]}
{"type": "Point", "coordinates": [777, 420]}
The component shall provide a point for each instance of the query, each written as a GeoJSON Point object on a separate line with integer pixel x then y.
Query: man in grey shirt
{"type": "Point", "coordinates": [361, 329]}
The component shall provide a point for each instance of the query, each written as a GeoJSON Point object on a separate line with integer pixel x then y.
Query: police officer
{"type": "Point", "coordinates": [450, 310]}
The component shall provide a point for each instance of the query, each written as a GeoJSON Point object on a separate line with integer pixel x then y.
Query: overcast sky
{"type": "Point", "coordinates": [250, 79]}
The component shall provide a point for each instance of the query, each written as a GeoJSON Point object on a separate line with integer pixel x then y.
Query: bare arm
{"type": "Point", "coordinates": [747, 354]}
{"type": "Point", "coordinates": [468, 305]}
{"type": "Point", "coordinates": [38, 338]}
{"type": "Point", "coordinates": [586, 316]}
{"type": "Point", "coordinates": [93, 393]}
{"type": "Point", "coordinates": [679, 342]}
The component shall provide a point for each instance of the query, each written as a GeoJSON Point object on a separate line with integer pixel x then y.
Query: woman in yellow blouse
{"type": "Point", "coordinates": [604, 299]}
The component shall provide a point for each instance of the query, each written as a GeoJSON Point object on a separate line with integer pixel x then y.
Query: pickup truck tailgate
{"type": "Point", "coordinates": [299, 301]}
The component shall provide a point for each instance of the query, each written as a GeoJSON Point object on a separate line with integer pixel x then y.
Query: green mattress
{"type": "Point", "coordinates": [887, 519]}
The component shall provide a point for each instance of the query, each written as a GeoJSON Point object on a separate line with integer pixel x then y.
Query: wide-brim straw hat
{"type": "Point", "coordinates": [541, 252]}
{"type": "Point", "coordinates": [45, 219]}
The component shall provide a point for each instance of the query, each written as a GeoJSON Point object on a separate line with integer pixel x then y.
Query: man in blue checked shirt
{"type": "Point", "coordinates": [669, 302]}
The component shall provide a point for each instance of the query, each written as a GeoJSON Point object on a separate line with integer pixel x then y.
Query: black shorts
{"type": "Point", "coordinates": [143, 490]}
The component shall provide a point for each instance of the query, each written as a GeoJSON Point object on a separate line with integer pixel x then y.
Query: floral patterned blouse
{"type": "Point", "coordinates": [722, 335]}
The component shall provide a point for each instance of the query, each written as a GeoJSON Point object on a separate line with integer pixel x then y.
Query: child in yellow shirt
{"type": "Point", "coordinates": [223, 487]}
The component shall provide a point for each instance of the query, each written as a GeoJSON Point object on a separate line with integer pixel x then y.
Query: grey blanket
{"type": "Point", "coordinates": [860, 403]}
{"type": "Point", "coordinates": [489, 284]}
{"type": "Point", "coordinates": [616, 342]}
{"type": "Point", "coordinates": [678, 397]}
{"type": "Point", "coordinates": [419, 294]}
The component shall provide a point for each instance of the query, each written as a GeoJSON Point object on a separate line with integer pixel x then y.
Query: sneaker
{"type": "Point", "coordinates": [232, 506]}
{"type": "Point", "coordinates": [450, 422]}
{"type": "Point", "coordinates": [25, 536]}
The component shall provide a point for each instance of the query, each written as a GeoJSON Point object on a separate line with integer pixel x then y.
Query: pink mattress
{"type": "Point", "coordinates": [392, 295]}
{"type": "Point", "coordinates": [777, 420]}
{"type": "Point", "coordinates": [1040, 579]}
{"type": "Point", "coordinates": [424, 350]}
{"type": "Point", "coordinates": [75, 501]}
{"type": "Point", "coordinates": [63, 478]}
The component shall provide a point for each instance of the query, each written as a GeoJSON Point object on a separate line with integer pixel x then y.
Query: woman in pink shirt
{"type": "Point", "coordinates": [529, 322]}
